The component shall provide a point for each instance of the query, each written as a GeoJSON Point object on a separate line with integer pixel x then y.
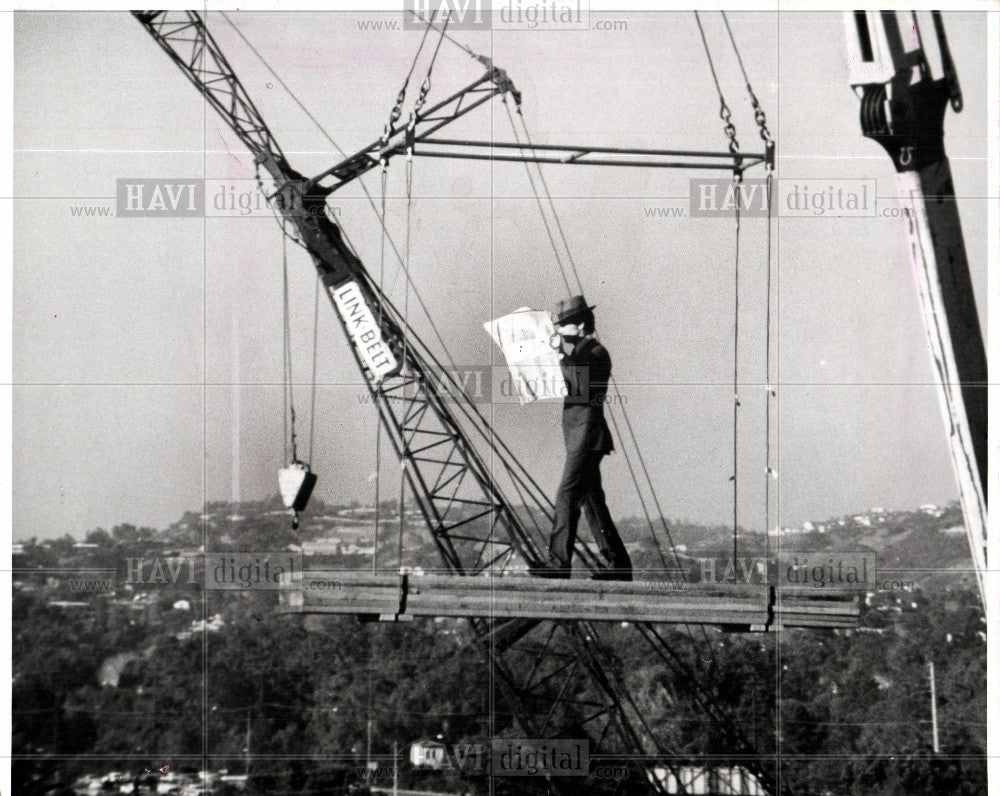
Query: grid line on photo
{"type": "Point", "coordinates": [809, 382]}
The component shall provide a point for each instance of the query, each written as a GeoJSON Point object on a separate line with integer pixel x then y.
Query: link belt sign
{"type": "Point", "coordinates": [364, 331]}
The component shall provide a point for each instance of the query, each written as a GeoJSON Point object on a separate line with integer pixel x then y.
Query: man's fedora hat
{"type": "Point", "coordinates": [573, 308]}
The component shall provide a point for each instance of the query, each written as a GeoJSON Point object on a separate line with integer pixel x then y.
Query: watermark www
{"type": "Point", "coordinates": [91, 585]}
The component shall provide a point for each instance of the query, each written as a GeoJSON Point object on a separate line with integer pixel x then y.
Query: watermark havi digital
{"type": "Point", "coordinates": [215, 570]}
{"type": "Point", "coordinates": [508, 14]}
{"type": "Point", "coordinates": [540, 757]}
{"type": "Point", "coordinates": [789, 197]}
{"type": "Point", "coordinates": [250, 570]}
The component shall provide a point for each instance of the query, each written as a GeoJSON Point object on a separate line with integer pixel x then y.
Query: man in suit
{"type": "Point", "coordinates": [586, 367]}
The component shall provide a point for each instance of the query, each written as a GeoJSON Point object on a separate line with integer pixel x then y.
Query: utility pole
{"type": "Point", "coordinates": [902, 109]}
{"type": "Point", "coordinates": [934, 723]}
{"type": "Point", "coordinates": [369, 767]}
{"type": "Point", "coordinates": [246, 758]}
{"type": "Point", "coordinates": [395, 768]}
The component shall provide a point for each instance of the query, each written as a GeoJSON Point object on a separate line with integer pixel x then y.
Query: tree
{"type": "Point", "coordinates": [126, 534]}
{"type": "Point", "coordinates": [100, 537]}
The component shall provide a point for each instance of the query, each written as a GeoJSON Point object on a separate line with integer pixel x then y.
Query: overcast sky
{"type": "Point", "coordinates": [147, 352]}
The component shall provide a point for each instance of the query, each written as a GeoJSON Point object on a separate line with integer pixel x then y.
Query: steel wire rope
{"type": "Point", "coordinates": [538, 200]}
{"type": "Point", "coordinates": [632, 473]}
{"type": "Point", "coordinates": [770, 390]}
{"type": "Point", "coordinates": [512, 466]}
{"type": "Point", "coordinates": [394, 115]}
{"type": "Point", "coordinates": [730, 131]}
{"type": "Point", "coordinates": [360, 180]}
{"type": "Point", "coordinates": [576, 275]}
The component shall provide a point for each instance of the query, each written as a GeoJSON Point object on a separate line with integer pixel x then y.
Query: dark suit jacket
{"type": "Point", "coordinates": [586, 372]}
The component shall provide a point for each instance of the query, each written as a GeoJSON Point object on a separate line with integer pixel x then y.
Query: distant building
{"type": "Point", "coordinates": [357, 550]}
{"type": "Point", "coordinates": [142, 608]}
{"type": "Point", "coordinates": [328, 545]}
{"type": "Point", "coordinates": [213, 625]}
{"type": "Point", "coordinates": [428, 754]}
{"type": "Point", "coordinates": [361, 511]}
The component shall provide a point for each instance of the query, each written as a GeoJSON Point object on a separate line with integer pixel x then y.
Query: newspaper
{"type": "Point", "coordinates": [523, 337]}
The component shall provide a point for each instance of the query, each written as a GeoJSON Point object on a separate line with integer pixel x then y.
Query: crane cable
{"type": "Point", "coordinates": [521, 475]}
{"type": "Point", "coordinates": [288, 398]}
{"type": "Point", "coordinates": [724, 112]}
{"type": "Point", "coordinates": [548, 195]}
{"type": "Point", "coordinates": [758, 112]}
{"type": "Point", "coordinates": [315, 361]}
{"type": "Point", "coordinates": [425, 87]}
{"type": "Point", "coordinates": [538, 200]}
{"type": "Point", "coordinates": [667, 568]}
{"type": "Point", "coordinates": [394, 115]}
{"type": "Point", "coordinates": [734, 147]}
{"type": "Point", "coordinates": [364, 188]}
{"type": "Point", "coordinates": [576, 276]}
{"type": "Point", "coordinates": [397, 108]}
{"type": "Point", "coordinates": [430, 23]}
{"type": "Point", "coordinates": [770, 391]}
{"type": "Point", "coordinates": [406, 323]}
{"type": "Point", "coordinates": [736, 372]}
{"type": "Point", "coordinates": [379, 393]}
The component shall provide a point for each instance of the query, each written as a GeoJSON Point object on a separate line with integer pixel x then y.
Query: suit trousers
{"type": "Point", "coordinates": [581, 488]}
